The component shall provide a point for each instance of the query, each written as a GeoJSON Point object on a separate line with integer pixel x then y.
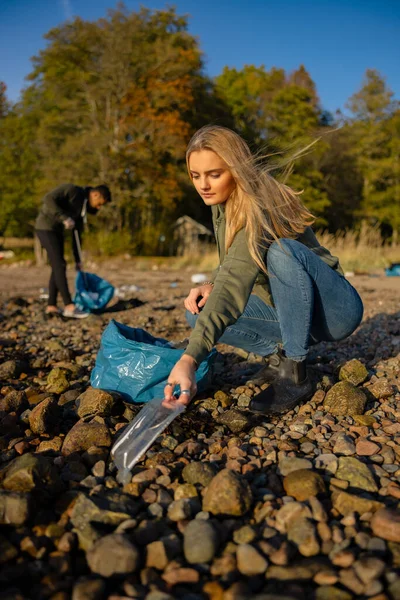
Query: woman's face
{"type": "Point", "coordinates": [211, 177]}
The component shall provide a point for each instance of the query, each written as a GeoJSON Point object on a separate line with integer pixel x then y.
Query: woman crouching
{"type": "Point", "coordinates": [276, 290]}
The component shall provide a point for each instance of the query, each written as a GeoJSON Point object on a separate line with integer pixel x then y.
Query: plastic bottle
{"type": "Point", "coordinates": [138, 436]}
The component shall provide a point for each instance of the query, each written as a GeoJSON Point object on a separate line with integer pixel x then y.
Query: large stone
{"type": "Point", "coordinates": [200, 542]}
{"type": "Point", "coordinates": [45, 417]}
{"type": "Point", "coordinates": [198, 472]}
{"type": "Point", "coordinates": [90, 515]}
{"type": "Point", "coordinates": [84, 435]}
{"type": "Point", "coordinates": [249, 561]}
{"type": "Point", "coordinates": [386, 524]}
{"type": "Point", "coordinates": [235, 420]}
{"type": "Point", "coordinates": [31, 473]}
{"type": "Point", "coordinates": [288, 464]}
{"type": "Point", "coordinates": [11, 369]}
{"type": "Point", "coordinates": [354, 372]}
{"type": "Point", "coordinates": [14, 402]}
{"type": "Point", "coordinates": [94, 402]}
{"type": "Point", "coordinates": [15, 509]}
{"type": "Point", "coordinates": [302, 533]}
{"type": "Point", "coordinates": [303, 483]}
{"type": "Point", "coordinates": [356, 473]}
{"type": "Point", "coordinates": [229, 494]}
{"type": "Point", "coordinates": [58, 380]}
{"type": "Point", "coordinates": [113, 555]}
{"type": "Point", "coordinates": [345, 399]}
{"type": "Point", "coordinates": [347, 503]}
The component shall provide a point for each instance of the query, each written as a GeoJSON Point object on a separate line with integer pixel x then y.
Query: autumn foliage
{"type": "Point", "coordinates": [116, 101]}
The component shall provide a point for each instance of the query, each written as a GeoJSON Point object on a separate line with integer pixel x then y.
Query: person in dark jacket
{"type": "Point", "coordinates": [276, 290]}
{"type": "Point", "coordinates": [66, 207]}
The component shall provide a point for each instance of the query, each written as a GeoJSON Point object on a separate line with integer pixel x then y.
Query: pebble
{"type": "Point", "coordinates": [386, 524]}
{"type": "Point", "coordinates": [303, 484]}
{"type": "Point", "coordinates": [229, 494]}
{"type": "Point", "coordinates": [200, 542]}
{"type": "Point", "coordinates": [289, 464]}
{"type": "Point", "coordinates": [344, 445]}
{"type": "Point", "coordinates": [249, 561]}
{"type": "Point", "coordinates": [113, 555]}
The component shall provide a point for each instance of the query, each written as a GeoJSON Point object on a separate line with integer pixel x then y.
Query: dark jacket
{"type": "Point", "coordinates": [66, 200]}
{"type": "Point", "coordinates": [235, 279]}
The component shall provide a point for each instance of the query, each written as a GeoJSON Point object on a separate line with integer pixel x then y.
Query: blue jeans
{"type": "Point", "coordinates": [313, 303]}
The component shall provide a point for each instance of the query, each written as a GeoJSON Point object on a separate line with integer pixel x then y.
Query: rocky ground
{"type": "Point", "coordinates": [225, 505]}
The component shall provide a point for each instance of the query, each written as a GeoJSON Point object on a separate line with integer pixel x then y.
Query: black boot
{"type": "Point", "coordinates": [270, 371]}
{"type": "Point", "coordinates": [290, 387]}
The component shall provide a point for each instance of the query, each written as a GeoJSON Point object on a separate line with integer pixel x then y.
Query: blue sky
{"type": "Point", "coordinates": [336, 40]}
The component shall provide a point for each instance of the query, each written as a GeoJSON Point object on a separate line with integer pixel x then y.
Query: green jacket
{"type": "Point", "coordinates": [235, 279]}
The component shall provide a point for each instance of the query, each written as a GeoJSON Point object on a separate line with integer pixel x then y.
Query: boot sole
{"type": "Point", "coordinates": [287, 408]}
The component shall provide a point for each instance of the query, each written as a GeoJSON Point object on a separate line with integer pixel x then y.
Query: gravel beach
{"type": "Point", "coordinates": [226, 505]}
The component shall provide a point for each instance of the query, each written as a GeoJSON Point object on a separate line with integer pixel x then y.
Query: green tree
{"type": "Point", "coordinates": [374, 131]}
{"type": "Point", "coordinates": [116, 100]}
{"type": "Point", "coordinates": [248, 93]}
{"type": "Point", "coordinates": [343, 181]}
{"type": "Point", "coordinates": [18, 173]}
{"type": "Point", "coordinates": [3, 100]}
{"type": "Point", "coordinates": [279, 115]}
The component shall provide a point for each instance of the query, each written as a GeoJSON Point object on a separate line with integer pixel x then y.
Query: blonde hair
{"type": "Point", "coordinates": [269, 210]}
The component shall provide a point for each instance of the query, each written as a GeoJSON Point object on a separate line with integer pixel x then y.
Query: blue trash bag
{"type": "Point", "coordinates": [92, 293]}
{"type": "Point", "coordinates": [136, 364]}
{"type": "Point", "coordinates": [393, 270]}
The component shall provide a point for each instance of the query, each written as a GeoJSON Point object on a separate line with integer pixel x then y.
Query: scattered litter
{"type": "Point", "coordinates": [173, 284]}
{"type": "Point", "coordinates": [393, 270]}
{"type": "Point", "coordinates": [349, 274]}
{"type": "Point", "coordinates": [148, 424]}
{"type": "Point", "coordinates": [44, 294]}
{"type": "Point", "coordinates": [123, 290]}
{"type": "Point", "coordinates": [6, 254]}
{"type": "Point", "coordinates": [198, 278]}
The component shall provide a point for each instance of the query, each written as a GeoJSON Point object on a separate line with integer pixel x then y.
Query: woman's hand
{"type": "Point", "coordinates": [183, 375]}
{"type": "Point", "coordinates": [191, 303]}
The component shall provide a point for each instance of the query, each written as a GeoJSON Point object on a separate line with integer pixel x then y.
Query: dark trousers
{"type": "Point", "coordinates": [53, 242]}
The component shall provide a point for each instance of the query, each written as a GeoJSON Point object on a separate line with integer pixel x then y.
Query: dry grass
{"type": "Point", "coordinates": [359, 251]}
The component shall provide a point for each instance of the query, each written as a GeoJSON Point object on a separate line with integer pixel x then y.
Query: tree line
{"type": "Point", "coordinates": [116, 100]}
